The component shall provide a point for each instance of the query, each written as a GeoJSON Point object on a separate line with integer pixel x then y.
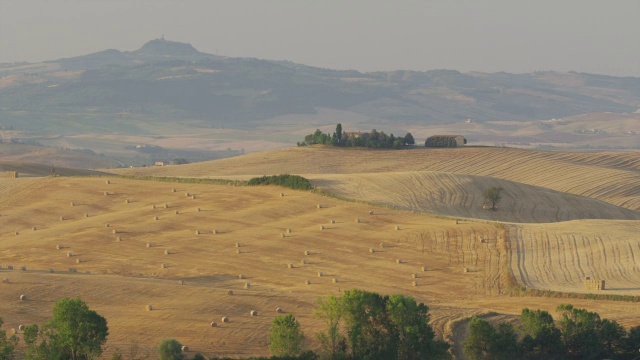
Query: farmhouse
{"type": "Point", "coordinates": [162, 163]}
{"type": "Point", "coordinates": [445, 141]}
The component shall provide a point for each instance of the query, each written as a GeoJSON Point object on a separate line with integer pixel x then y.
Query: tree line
{"type": "Point", "coordinates": [373, 139]}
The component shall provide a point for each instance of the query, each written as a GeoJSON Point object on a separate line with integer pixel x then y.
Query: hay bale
{"type": "Point", "coordinates": [288, 231]}
{"type": "Point", "coordinates": [281, 194]}
{"type": "Point", "coordinates": [180, 282]}
{"type": "Point", "coordinates": [23, 297]}
{"type": "Point", "coordinates": [229, 292]}
{"type": "Point", "coordinates": [238, 251]}
{"type": "Point", "coordinates": [357, 220]}
{"type": "Point", "coordinates": [86, 215]}
{"type": "Point", "coordinates": [370, 212]}
{"type": "Point", "coordinates": [424, 268]}
{"type": "Point", "coordinates": [253, 313]}
{"type": "Point", "coordinates": [173, 190]}
{"type": "Point", "coordinates": [78, 260]}
{"type": "Point", "coordinates": [397, 227]}
{"type": "Point", "coordinates": [106, 193]}
{"type": "Point", "coordinates": [466, 270]}
{"type": "Point", "coordinates": [58, 247]}
{"type": "Point", "coordinates": [414, 283]}
{"type": "Point", "coordinates": [333, 221]}
{"type": "Point", "coordinates": [199, 210]}
{"type": "Point", "coordinates": [290, 266]}
{"type": "Point", "coordinates": [107, 225]}
{"type": "Point", "coordinates": [456, 221]}
{"type": "Point", "coordinates": [372, 250]}
{"type": "Point", "coordinates": [214, 324]}
{"type": "Point", "coordinates": [163, 266]}
{"type": "Point", "coordinates": [303, 261]}
{"type": "Point", "coordinates": [279, 310]}
{"type": "Point", "coordinates": [69, 254]}
{"type": "Point", "coordinates": [17, 233]}
{"type": "Point", "coordinates": [308, 282]}
{"type": "Point", "coordinates": [166, 206]}
{"type": "Point", "coordinates": [414, 276]}
{"type": "Point", "coordinates": [193, 197]}
{"type": "Point", "coordinates": [167, 252]}
{"type": "Point", "coordinates": [307, 252]}
{"type": "Point", "coordinates": [187, 194]}
{"type": "Point", "coordinates": [73, 204]}
{"type": "Point", "coordinates": [114, 231]}
{"type": "Point", "coordinates": [321, 227]}
{"type": "Point", "coordinates": [177, 212]}
{"type": "Point", "coordinates": [241, 276]}
{"type": "Point", "coordinates": [126, 201]}
{"type": "Point", "coordinates": [107, 182]}
{"type": "Point", "coordinates": [149, 307]}
{"type": "Point", "coordinates": [334, 280]}
{"type": "Point", "coordinates": [34, 228]}
{"type": "Point", "coordinates": [21, 327]}
{"type": "Point", "coordinates": [247, 285]}
{"type": "Point", "coordinates": [23, 268]}
{"type": "Point", "coordinates": [282, 236]}
{"type": "Point", "coordinates": [153, 206]}
{"type": "Point", "coordinates": [238, 245]}
{"type": "Point", "coordinates": [215, 232]}
{"type": "Point", "coordinates": [225, 319]}
{"type": "Point", "coordinates": [155, 218]}
{"type": "Point", "coordinates": [61, 218]}
{"type": "Point", "coordinates": [149, 245]}
{"type": "Point", "coordinates": [319, 206]}
{"type": "Point", "coordinates": [51, 271]}
{"type": "Point", "coordinates": [320, 274]}
{"type": "Point", "coordinates": [197, 232]}
{"type": "Point", "coordinates": [398, 261]}
{"type": "Point", "coordinates": [118, 238]}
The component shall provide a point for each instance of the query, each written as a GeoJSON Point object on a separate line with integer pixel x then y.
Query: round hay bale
{"type": "Point", "coordinates": [69, 254]}
{"type": "Point", "coordinates": [197, 232]}
{"type": "Point", "coordinates": [397, 227]}
{"type": "Point", "coordinates": [58, 247]}
{"type": "Point", "coordinates": [281, 194]}
{"type": "Point", "coordinates": [282, 236]}
{"type": "Point", "coordinates": [247, 285]}
{"type": "Point", "coordinates": [279, 310]}
{"type": "Point", "coordinates": [357, 220]}
{"type": "Point", "coordinates": [149, 307]}
{"type": "Point", "coordinates": [465, 270]}
{"type": "Point", "coordinates": [118, 238]}
{"type": "Point", "coordinates": [199, 210]}
{"type": "Point", "coordinates": [225, 319]}
{"type": "Point", "coordinates": [238, 251]}
{"type": "Point", "coordinates": [107, 182]}
{"type": "Point", "coordinates": [398, 261]}
{"type": "Point", "coordinates": [34, 228]}
{"type": "Point", "coordinates": [424, 268]}
{"type": "Point", "coordinates": [238, 244]}
{"type": "Point", "coordinates": [106, 225]}
{"type": "Point", "coordinates": [372, 250]}
{"type": "Point", "coordinates": [17, 233]}
{"type": "Point", "coordinates": [156, 218]}
{"type": "Point", "coordinates": [167, 252]}
{"type": "Point", "coordinates": [215, 232]}
{"type": "Point", "coordinates": [308, 282]}
{"type": "Point", "coordinates": [73, 204]}
{"type": "Point", "coordinates": [241, 276]}
{"type": "Point", "coordinates": [180, 282]}
{"type": "Point", "coordinates": [51, 271]}
{"type": "Point", "coordinates": [290, 266]}
{"type": "Point", "coordinates": [23, 297]}
{"type": "Point", "coordinates": [187, 194]}
{"type": "Point", "coordinates": [173, 190]}
{"type": "Point", "coordinates": [149, 245]}
{"type": "Point", "coordinates": [13, 331]}
{"type": "Point", "coordinates": [86, 215]}
{"type": "Point", "coordinates": [114, 231]}
{"type": "Point", "coordinates": [23, 268]}
{"type": "Point", "coordinates": [414, 283]}
{"type": "Point", "coordinates": [78, 261]}
{"type": "Point", "coordinates": [153, 206]}
{"type": "Point", "coordinates": [370, 212]}
{"type": "Point", "coordinates": [229, 292]}
{"type": "Point", "coordinates": [333, 221]}
{"type": "Point", "coordinates": [106, 193]}
{"type": "Point", "coordinates": [21, 327]}
{"type": "Point", "coordinates": [414, 276]}
{"type": "Point", "coordinates": [61, 218]}
{"type": "Point", "coordinates": [177, 212]}
{"type": "Point", "coordinates": [303, 262]}
{"type": "Point", "coordinates": [335, 280]}
{"type": "Point", "coordinates": [166, 206]}
{"type": "Point", "coordinates": [253, 313]}
{"type": "Point", "coordinates": [382, 245]}
{"type": "Point", "coordinates": [307, 252]}
{"type": "Point", "coordinates": [126, 201]}
{"type": "Point", "coordinates": [193, 197]}
{"type": "Point", "coordinates": [288, 231]}
{"type": "Point", "coordinates": [214, 324]}
{"type": "Point", "coordinates": [319, 206]}
{"type": "Point", "coordinates": [164, 266]}
{"type": "Point", "coordinates": [320, 274]}
{"type": "Point", "coordinates": [321, 227]}
{"type": "Point", "coordinates": [456, 222]}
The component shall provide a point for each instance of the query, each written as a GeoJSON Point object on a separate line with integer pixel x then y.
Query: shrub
{"type": "Point", "coordinates": [170, 349]}
{"type": "Point", "coordinates": [290, 181]}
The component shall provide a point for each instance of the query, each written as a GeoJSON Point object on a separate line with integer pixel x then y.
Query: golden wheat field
{"type": "Point", "coordinates": [125, 244]}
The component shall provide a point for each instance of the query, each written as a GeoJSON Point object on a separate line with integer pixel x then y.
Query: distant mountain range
{"type": "Point", "coordinates": [166, 81]}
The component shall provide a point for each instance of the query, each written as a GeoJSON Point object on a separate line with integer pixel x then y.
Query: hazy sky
{"type": "Point", "coordinates": [594, 36]}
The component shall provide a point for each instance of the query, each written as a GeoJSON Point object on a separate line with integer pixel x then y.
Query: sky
{"type": "Point", "coordinates": [516, 36]}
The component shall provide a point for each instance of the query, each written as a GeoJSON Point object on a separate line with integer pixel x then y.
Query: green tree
{"type": "Point", "coordinates": [542, 339]}
{"type": "Point", "coordinates": [580, 333]}
{"type": "Point", "coordinates": [493, 195]}
{"type": "Point", "coordinates": [74, 332]}
{"type": "Point", "coordinates": [285, 338]}
{"type": "Point", "coordinates": [170, 349]}
{"type": "Point", "coordinates": [409, 140]}
{"type": "Point", "coordinates": [485, 342]}
{"type": "Point", "coordinates": [7, 344]}
{"type": "Point", "coordinates": [333, 341]}
{"type": "Point", "coordinates": [339, 132]}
